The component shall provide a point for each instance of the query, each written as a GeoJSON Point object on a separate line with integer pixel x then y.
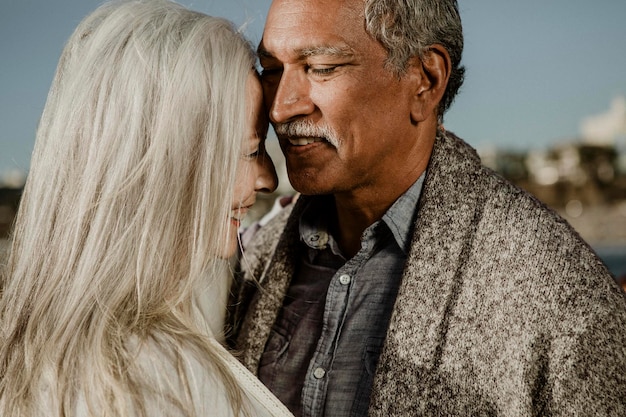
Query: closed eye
{"type": "Point", "coordinates": [321, 71]}
{"type": "Point", "coordinates": [253, 155]}
{"type": "Point", "coordinates": [257, 152]}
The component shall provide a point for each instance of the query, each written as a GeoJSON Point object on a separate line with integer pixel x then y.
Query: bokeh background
{"type": "Point", "coordinates": [543, 100]}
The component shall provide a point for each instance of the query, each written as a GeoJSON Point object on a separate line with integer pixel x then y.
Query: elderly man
{"type": "Point", "coordinates": [408, 279]}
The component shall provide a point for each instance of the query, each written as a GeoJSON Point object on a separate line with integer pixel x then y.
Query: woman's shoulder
{"type": "Point", "coordinates": [261, 401]}
{"type": "Point", "coordinates": [174, 378]}
{"type": "Point", "coordinates": [206, 384]}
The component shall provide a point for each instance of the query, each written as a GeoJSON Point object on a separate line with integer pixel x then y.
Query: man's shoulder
{"type": "Point", "coordinates": [503, 223]}
{"type": "Point", "coordinates": [459, 169]}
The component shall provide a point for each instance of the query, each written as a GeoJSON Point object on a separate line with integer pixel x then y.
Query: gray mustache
{"type": "Point", "coordinates": [306, 128]}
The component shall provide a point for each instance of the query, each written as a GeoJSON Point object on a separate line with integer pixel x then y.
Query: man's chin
{"type": "Point", "coordinates": [309, 187]}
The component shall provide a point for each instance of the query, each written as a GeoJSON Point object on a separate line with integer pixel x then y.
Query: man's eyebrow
{"type": "Point", "coordinates": [338, 51]}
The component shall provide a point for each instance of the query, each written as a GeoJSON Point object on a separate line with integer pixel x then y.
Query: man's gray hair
{"type": "Point", "coordinates": [407, 28]}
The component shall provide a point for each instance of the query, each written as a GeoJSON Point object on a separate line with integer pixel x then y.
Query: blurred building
{"type": "Point", "coordinates": [9, 201]}
{"type": "Point", "coordinates": [584, 179]}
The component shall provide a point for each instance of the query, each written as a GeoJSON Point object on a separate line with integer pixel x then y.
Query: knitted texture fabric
{"type": "Point", "coordinates": [503, 309]}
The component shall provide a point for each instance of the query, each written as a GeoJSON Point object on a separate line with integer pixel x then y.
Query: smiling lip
{"type": "Point", "coordinates": [238, 214]}
{"type": "Point", "coordinates": [303, 141]}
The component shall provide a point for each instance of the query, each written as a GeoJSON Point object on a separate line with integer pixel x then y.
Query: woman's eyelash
{"type": "Point", "coordinates": [254, 154]}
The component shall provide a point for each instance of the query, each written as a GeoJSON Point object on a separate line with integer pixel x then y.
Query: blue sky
{"type": "Point", "coordinates": [535, 69]}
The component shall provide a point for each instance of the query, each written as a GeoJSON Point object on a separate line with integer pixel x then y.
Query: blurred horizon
{"type": "Point", "coordinates": [538, 74]}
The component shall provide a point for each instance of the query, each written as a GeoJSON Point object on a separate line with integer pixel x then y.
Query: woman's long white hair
{"type": "Point", "coordinates": [124, 214]}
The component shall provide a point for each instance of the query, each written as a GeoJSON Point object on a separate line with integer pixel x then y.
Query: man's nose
{"type": "Point", "coordinates": [292, 97]}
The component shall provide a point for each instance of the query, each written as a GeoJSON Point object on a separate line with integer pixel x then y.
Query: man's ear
{"type": "Point", "coordinates": [429, 77]}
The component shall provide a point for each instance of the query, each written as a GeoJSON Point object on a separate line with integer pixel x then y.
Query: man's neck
{"type": "Point", "coordinates": [350, 222]}
{"type": "Point", "coordinates": [355, 212]}
{"type": "Point", "coordinates": [358, 209]}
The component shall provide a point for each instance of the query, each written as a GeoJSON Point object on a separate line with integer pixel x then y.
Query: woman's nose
{"type": "Point", "coordinates": [267, 180]}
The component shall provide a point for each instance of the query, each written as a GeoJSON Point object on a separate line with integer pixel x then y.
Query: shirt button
{"type": "Point", "coordinates": [319, 373]}
{"type": "Point", "coordinates": [318, 240]}
{"type": "Point", "coordinates": [345, 279]}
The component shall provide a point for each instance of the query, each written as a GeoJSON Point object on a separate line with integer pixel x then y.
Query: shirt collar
{"type": "Point", "coordinates": [313, 226]}
{"type": "Point", "coordinates": [399, 218]}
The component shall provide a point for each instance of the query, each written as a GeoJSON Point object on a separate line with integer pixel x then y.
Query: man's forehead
{"type": "Point", "coordinates": [321, 5]}
{"type": "Point", "coordinates": [299, 29]}
{"type": "Point", "coordinates": [310, 16]}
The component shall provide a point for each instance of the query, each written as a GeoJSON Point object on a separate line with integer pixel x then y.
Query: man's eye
{"type": "Point", "coordinates": [323, 70]}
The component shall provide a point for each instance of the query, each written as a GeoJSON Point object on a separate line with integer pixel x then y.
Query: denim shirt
{"type": "Point", "coordinates": [324, 346]}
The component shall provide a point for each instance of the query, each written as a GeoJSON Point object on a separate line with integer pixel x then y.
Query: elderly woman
{"type": "Point", "coordinates": [149, 153]}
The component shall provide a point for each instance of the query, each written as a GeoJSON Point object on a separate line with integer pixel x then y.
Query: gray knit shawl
{"type": "Point", "coordinates": [503, 310]}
